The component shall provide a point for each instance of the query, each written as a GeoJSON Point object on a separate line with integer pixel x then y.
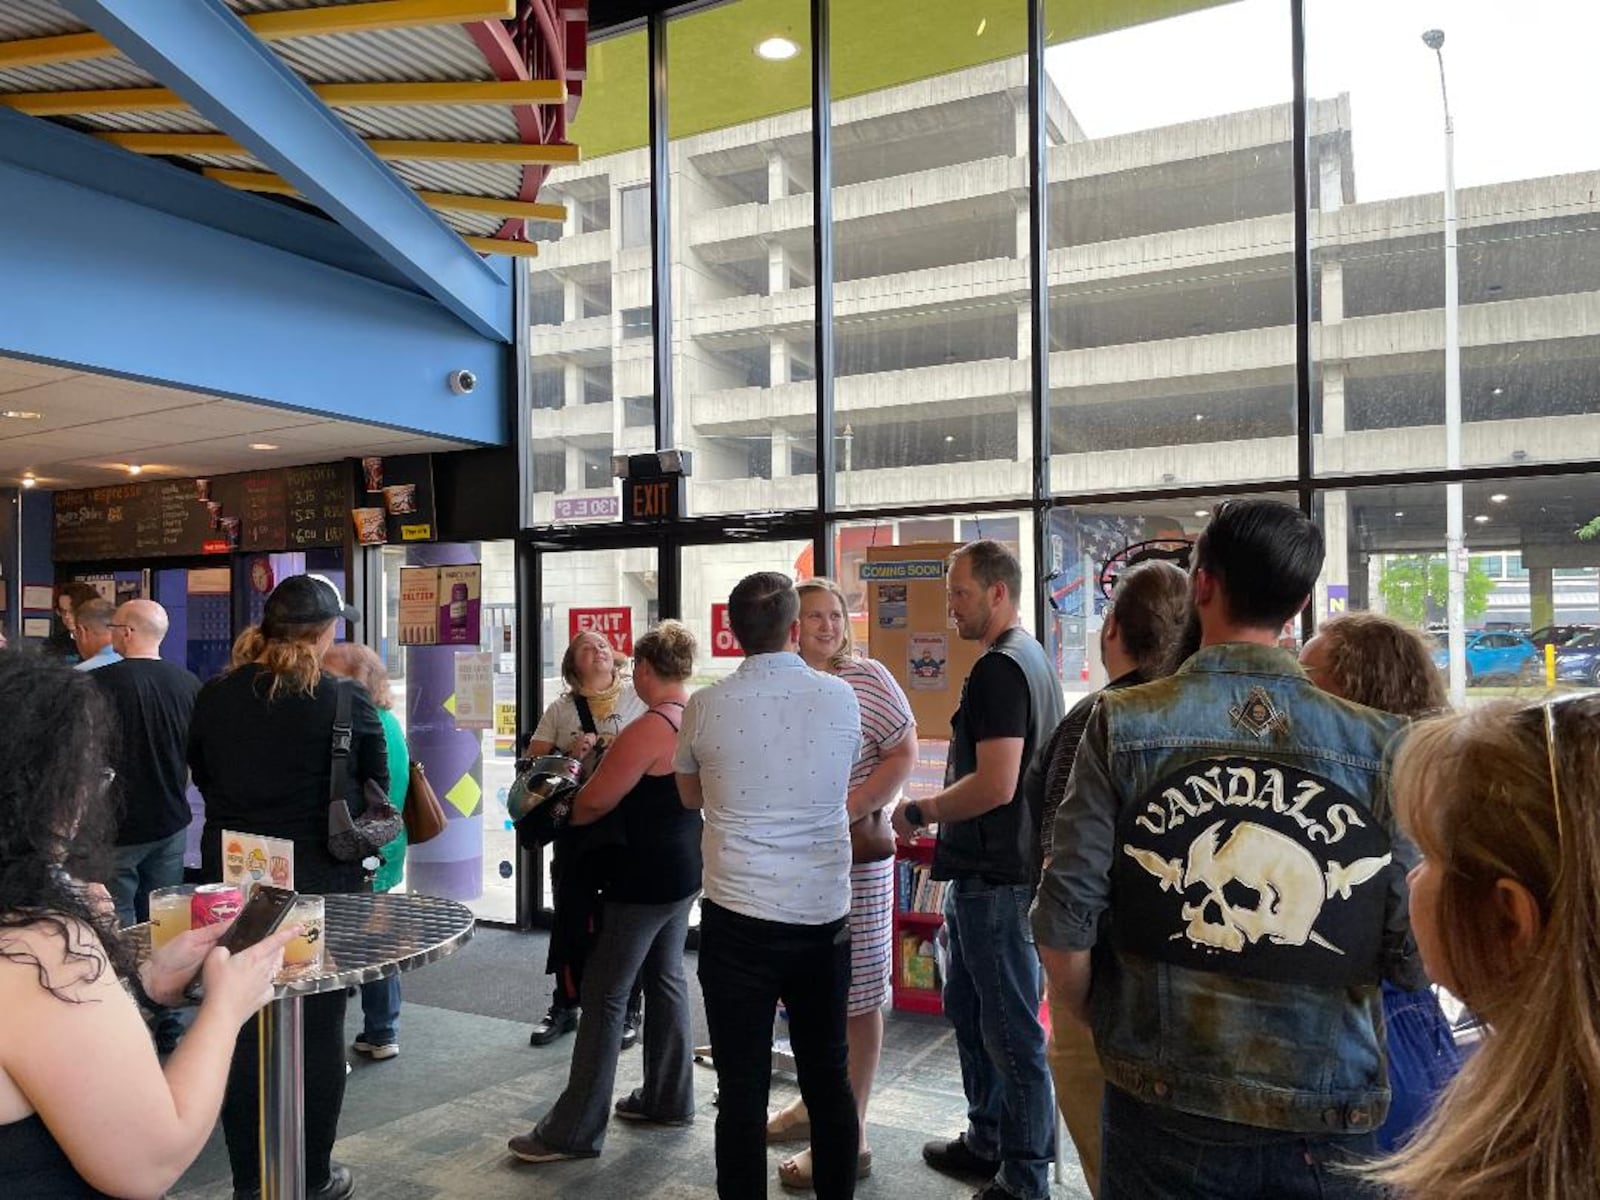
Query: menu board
{"type": "Point", "coordinates": [318, 500]}
{"type": "Point", "coordinates": [298, 508]}
{"type": "Point", "coordinates": [132, 520]}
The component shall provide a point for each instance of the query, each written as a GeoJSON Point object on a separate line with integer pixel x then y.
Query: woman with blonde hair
{"type": "Point", "coordinates": [584, 719]}
{"type": "Point", "coordinates": [1504, 803]}
{"type": "Point", "coordinates": [261, 753]}
{"type": "Point", "coordinates": [380, 998]}
{"type": "Point", "coordinates": [888, 754]}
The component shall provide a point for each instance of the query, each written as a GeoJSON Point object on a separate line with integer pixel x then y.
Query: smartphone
{"type": "Point", "coordinates": [264, 912]}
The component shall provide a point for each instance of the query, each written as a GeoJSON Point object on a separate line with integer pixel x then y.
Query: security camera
{"type": "Point", "coordinates": [462, 382]}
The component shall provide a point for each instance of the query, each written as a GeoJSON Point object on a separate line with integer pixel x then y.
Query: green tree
{"type": "Point", "coordinates": [1416, 586]}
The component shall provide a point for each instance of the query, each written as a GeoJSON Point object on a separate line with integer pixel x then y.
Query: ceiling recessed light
{"type": "Point", "coordinates": [1199, 416]}
{"type": "Point", "coordinates": [949, 437]}
{"type": "Point", "coordinates": [134, 469]}
{"type": "Point", "coordinates": [28, 481]}
{"type": "Point", "coordinates": [1399, 514]}
{"type": "Point", "coordinates": [263, 445]}
{"type": "Point", "coordinates": [1481, 519]}
{"type": "Point", "coordinates": [1499, 498]}
{"type": "Point", "coordinates": [1497, 390]}
{"type": "Point", "coordinates": [1200, 512]}
{"type": "Point", "coordinates": [777, 49]}
{"type": "Point", "coordinates": [20, 414]}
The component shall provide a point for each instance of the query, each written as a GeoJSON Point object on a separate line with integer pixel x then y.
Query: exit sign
{"type": "Point", "coordinates": [651, 499]}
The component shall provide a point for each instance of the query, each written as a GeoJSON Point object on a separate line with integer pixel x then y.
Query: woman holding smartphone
{"type": "Point", "coordinates": [86, 1108]}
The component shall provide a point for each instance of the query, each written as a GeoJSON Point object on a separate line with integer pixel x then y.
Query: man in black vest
{"type": "Point", "coordinates": [988, 847]}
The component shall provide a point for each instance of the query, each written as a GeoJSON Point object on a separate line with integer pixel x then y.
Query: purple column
{"type": "Point", "coordinates": [451, 865]}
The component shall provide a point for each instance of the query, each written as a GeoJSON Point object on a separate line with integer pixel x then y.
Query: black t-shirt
{"type": "Point", "coordinates": [995, 704]}
{"type": "Point", "coordinates": [263, 766]}
{"type": "Point", "coordinates": [154, 701]}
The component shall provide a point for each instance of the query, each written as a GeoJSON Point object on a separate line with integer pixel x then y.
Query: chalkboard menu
{"type": "Point", "coordinates": [297, 508]}
{"type": "Point", "coordinates": [133, 520]}
{"type": "Point", "coordinates": [318, 505]}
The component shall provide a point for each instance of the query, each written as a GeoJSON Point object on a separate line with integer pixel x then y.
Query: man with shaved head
{"type": "Point", "coordinates": [154, 700]}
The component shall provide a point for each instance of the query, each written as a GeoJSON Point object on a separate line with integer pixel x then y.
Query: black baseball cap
{"type": "Point", "coordinates": [305, 600]}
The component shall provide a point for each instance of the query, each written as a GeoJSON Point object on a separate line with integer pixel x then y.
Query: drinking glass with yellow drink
{"type": "Point", "coordinates": [170, 913]}
{"type": "Point", "coordinates": [303, 955]}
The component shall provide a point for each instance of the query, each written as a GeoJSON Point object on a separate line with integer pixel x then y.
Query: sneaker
{"type": "Point", "coordinates": [529, 1148]}
{"type": "Point", "coordinates": [631, 1108]}
{"type": "Point", "coordinates": [376, 1050]}
{"type": "Point", "coordinates": [956, 1158]}
{"type": "Point", "coordinates": [558, 1022]}
{"type": "Point", "coordinates": [340, 1185]}
{"type": "Point", "coordinates": [630, 1029]}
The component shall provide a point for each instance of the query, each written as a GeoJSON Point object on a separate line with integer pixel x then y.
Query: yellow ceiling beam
{"type": "Point", "coordinates": [386, 148]}
{"type": "Point", "coordinates": [494, 206]}
{"type": "Point", "coordinates": [272, 26]}
{"type": "Point", "coordinates": [342, 95]}
{"type": "Point", "coordinates": [485, 245]}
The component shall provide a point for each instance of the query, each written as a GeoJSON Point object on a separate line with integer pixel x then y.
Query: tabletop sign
{"type": "Point", "coordinates": [613, 624]}
{"type": "Point", "coordinates": [650, 500]}
{"type": "Point", "coordinates": [723, 643]}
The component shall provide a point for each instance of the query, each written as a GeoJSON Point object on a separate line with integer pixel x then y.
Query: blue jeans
{"type": "Point", "coordinates": [1152, 1151]}
{"type": "Point", "coordinates": [991, 995]}
{"type": "Point", "coordinates": [140, 869]}
{"type": "Point", "coordinates": [380, 1011]}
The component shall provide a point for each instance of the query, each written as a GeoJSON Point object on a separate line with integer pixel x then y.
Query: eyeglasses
{"type": "Point", "coordinates": [117, 625]}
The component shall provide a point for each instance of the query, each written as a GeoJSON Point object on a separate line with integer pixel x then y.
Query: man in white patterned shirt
{"type": "Point", "coordinates": [767, 753]}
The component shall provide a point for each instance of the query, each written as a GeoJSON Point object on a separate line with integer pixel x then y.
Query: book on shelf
{"type": "Point", "coordinates": [919, 968]}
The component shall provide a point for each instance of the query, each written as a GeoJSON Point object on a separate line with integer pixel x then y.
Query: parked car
{"type": "Point", "coordinates": [1579, 660]}
{"type": "Point", "coordinates": [1560, 635]}
{"type": "Point", "coordinates": [1492, 655]}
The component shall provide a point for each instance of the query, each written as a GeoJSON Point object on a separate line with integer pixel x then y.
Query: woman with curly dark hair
{"type": "Point", "coordinates": [86, 1110]}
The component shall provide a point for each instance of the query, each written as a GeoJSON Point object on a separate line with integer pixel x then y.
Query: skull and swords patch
{"type": "Point", "coordinates": [1253, 867]}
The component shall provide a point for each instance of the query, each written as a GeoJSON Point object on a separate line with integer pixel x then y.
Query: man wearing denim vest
{"type": "Point", "coordinates": [988, 817]}
{"type": "Point", "coordinates": [1226, 892]}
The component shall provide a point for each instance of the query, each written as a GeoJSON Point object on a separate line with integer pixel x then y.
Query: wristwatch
{"type": "Point", "coordinates": [914, 815]}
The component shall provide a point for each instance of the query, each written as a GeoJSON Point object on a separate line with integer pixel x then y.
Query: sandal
{"type": "Point", "coordinates": [789, 1125]}
{"type": "Point", "coordinates": [794, 1174]}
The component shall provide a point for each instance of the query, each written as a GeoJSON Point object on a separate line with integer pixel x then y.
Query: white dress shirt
{"type": "Point", "coordinates": [773, 745]}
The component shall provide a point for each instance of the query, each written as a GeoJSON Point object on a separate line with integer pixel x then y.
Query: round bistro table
{"type": "Point", "coordinates": [366, 937]}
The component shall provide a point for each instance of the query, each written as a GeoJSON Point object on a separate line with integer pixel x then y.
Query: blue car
{"type": "Point", "coordinates": [1493, 655]}
{"type": "Point", "coordinates": [1579, 660]}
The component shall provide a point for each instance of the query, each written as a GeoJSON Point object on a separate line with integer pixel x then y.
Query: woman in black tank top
{"type": "Point", "coordinates": [653, 879]}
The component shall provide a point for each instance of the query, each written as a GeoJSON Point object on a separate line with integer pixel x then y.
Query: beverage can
{"type": "Point", "coordinates": [215, 903]}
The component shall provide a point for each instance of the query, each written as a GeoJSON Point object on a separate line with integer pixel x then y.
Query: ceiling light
{"type": "Point", "coordinates": [263, 445]}
{"type": "Point", "coordinates": [949, 437]}
{"type": "Point", "coordinates": [777, 49]}
{"type": "Point", "coordinates": [1199, 416]}
{"type": "Point", "coordinates": [134, 469]}
{"type": "Point", "coordinates": [1497, 390]}
{"type": "Point", "coordinates": [1200, 512]}
{"type": "Point", "coordinates": [1481, 519]}
{"type": "Point", "coordinates": [28, 481]}
{"type": "Point", "coordinates": [20, 414]}
{"type": "Point", "coordinates": [1499, 498]}
{"type": "Point", "coordinates": [1400, 514]}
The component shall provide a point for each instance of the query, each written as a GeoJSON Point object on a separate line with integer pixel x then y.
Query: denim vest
{"type": "Point", "coordinates": [1002, 845]}
{"type": "Point", "coordinates": [1257, 897]}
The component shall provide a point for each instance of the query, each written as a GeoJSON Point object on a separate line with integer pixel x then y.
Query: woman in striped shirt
{"type": "Point", "coordinates": [888, 753]}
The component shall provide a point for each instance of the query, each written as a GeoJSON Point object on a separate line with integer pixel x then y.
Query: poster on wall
{"type": "Point", "coordinates": [38, 596]}
{"type": "Point", "coordinates": [928, 662]}
{"type": "Point", "coordinates": [418, 617]}
{"type": "Point", "coordinates": [460, 604]}
{"type": "Point", "coordinates": [474, 690]}
{"type": "Point", "coordinates": [908, 630]}
{"type": "Point", "coordinates": [613, 624]}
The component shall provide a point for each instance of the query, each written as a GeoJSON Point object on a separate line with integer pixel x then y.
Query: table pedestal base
{"type": "Point", "coordinates": [283, 1101]}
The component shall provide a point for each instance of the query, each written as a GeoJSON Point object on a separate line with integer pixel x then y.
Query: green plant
{"type": "Point", "coordinates": [1416, 587]}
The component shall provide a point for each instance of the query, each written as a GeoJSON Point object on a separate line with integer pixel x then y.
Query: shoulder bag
{"type": "Point", "coordinates": [355, 839]}
{"type": "Point", "coordinates": [424, 815]}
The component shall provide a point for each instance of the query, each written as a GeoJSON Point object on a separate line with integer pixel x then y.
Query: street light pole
{"type": "Point", "coordinates": [1455, 540]}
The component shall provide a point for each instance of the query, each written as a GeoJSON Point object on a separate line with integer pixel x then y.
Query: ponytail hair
{"type": "Point", "coordinates": [288, 657]}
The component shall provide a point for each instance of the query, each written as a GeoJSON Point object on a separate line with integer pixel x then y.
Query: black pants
{"type": "Point", "coordinates": [746, 967]}
{"type": "Point", "coordinates": [324, 1075]}
{"type": "Point", "coordinates": [577, 908]}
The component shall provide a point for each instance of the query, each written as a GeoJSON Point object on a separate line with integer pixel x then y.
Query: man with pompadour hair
{"type": "Point", "coordinates": [1226, 891]}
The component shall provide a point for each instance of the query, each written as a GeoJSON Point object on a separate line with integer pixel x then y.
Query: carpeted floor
{"type": "Point", "coordinates": [433, 1123]}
